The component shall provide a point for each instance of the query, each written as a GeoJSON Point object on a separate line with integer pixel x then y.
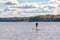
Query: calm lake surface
{"type": "Point", "coordinates": [23, 31]}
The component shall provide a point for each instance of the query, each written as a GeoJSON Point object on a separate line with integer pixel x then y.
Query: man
{"type": "Point", "coordinates": [36, 25]}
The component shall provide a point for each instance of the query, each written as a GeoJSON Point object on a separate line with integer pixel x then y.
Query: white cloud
{"type": "Point", "coordinates": [28, 7]}
{"type": "Point", "coordinates": [31, 9]}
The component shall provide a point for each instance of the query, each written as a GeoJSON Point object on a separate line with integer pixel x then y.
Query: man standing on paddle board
{"type": "Point", "coordinates": [36, 27]}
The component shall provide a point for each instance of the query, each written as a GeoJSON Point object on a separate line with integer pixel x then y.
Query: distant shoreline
{"type": "Point", "coordinates": [40, 18]}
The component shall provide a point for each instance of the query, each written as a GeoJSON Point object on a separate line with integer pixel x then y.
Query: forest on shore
{"type": "Point", "coordinates": [39, 18]}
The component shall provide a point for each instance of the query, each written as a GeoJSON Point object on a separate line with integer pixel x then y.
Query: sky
{"type": "Point", "coordinates": [32, 0]}
{"type": "Point", "coordinates": [10, 8]}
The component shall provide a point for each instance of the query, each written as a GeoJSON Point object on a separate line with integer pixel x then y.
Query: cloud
{"type": "Point", "coordinates": [9, 2]}
{"type": "Point", "coordinates": [27, 9]}
{"type": "Point", "coordinates": [30, 8]}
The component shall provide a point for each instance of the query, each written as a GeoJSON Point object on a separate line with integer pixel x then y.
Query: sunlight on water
{"type": "Point", "coordinates": [23, 31]}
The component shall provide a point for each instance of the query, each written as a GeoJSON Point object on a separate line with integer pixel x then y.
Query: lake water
{"type": "Point", "coordinates": [23, 31]}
